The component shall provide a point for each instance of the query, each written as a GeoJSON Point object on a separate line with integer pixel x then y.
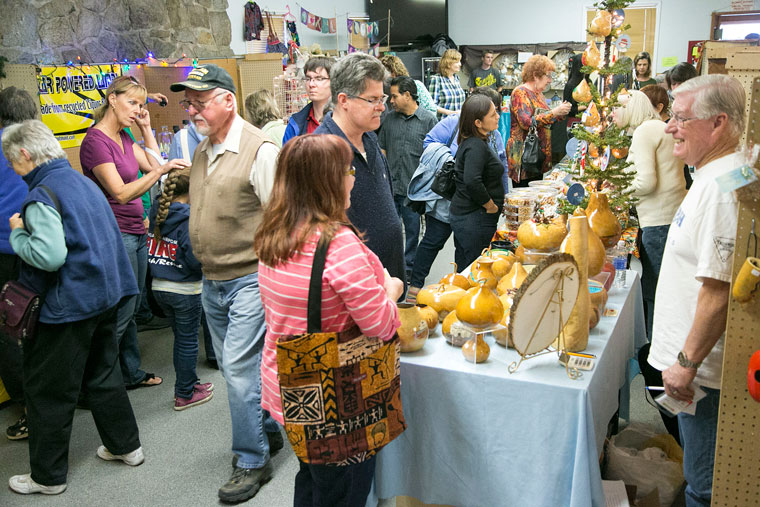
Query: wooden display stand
{"type": "Point", "coordinates": [715, 55]}
{"type": "Point", "coordinates": [737, 450]}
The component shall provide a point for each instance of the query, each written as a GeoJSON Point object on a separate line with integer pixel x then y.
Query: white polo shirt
{"type": "Point", "coordinates": [700, 245]}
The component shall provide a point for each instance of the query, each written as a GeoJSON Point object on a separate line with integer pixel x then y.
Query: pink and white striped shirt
{"type": "Point", "coordinates": [352, 292]}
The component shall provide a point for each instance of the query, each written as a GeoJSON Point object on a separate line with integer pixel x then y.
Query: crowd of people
{"type": "Point", "coordinates": [342, 174]}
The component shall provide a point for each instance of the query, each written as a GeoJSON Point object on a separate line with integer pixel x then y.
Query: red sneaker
{"type": "Point", "coordinates": [198, 398]}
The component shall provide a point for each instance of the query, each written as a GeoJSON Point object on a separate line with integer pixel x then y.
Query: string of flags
{"type": "Point", "coordinates": [372, 50]}
{"type": "Point", "coordinates": [363, 28]}
{"type": "Point", "coordinates": [318, 23]}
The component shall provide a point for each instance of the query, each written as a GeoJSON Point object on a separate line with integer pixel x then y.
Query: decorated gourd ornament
{"type": "Point", "coordinates": [430, 316]}
{"type": "Point", "coordinates": [582, 92]}
{"type": "Point", "coordinates": [502, 265]}
{"type": "Point", "coordinates": [601, 219]}
{"type": "Point", "coordinates": [454, 331]}
{"type": "Point", "coordinates": [601, 25]}
{"type": "Point", "coordinates": [440, 297]}
{"type": "Point", "coordinates": [593, 150]}
{"type": "Point", "coordinates": [476, 350]}
{"type": "Point", "coordinates": [595, 253]}
{"type": "Point", "coordinates": [456, 279]}
{"type": "Point", "coordinates": [480, 307]}
{"type": "Point", "coordinates": [591, 55]}
{"type": "Point", "coordinates": [501, 335]}
{"type": "Point", "coordinates": [576, 329]}
{"type": "Point", "coordinates": [413, 331]}
{"type": "Point", "coordinates": [620, 153]}
{"type": "Point", "coordinates": [541, 234]}
{"type": "Point", "coordinates": [513, 279]}
{"type": "Point", "coordinates": [481, 271]}
{"type": "Point", "coordinates": [591, 116]}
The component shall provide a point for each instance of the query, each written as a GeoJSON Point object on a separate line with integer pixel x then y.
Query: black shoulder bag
{"type": "Point", "coordinates": [444, 183]}
{"type": "Point", "coordinates": [532, 155]}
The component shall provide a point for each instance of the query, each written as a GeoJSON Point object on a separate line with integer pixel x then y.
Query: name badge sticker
{"type": "Point", "coordinates": [739, 177]}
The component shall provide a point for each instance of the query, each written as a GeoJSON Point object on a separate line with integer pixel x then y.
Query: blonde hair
{"type": "Point", "coordinates": [535, 67]}
{"type": "Point", "coordinates": [120, 85]}
{"type": "Point", "coordinates": [177, 184]}
{"type": "Point", "coordinates": [637, 110]}
{"type": "Point", "coordinates": [449, 58]}
{"type": "Point", "coordinates": [260, 108]}
{"type": "Point", "coordinates": [394, 65]}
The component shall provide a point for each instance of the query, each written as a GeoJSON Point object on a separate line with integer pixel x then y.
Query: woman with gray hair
{"type": "Point", "coordinates": [73, 256]}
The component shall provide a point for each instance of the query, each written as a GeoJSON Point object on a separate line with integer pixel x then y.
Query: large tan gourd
{"type": "Point", "coordinates": [595, 252]}
{"type": "Point", "coordinates": [513, 279]}
{"type": "Point", "coordinates": [440, 297]}
{"type": "Point", "coordinates": [576, 329]}
{"type": "Point", "coordinates": [601, 219]}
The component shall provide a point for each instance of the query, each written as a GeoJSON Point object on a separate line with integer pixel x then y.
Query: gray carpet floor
{"type": "Point", "coordinates": [187, 453]}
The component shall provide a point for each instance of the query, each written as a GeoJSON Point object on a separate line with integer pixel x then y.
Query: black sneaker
{"type": "Point", "coordinates": [18, 431]}
{"type": "Point", "coordinates": [275, 442]}
{"type": "Point", "coordinates": [244, 483]}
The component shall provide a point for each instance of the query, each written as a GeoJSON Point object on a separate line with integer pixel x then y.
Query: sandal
{"type": "Point", "coordinates": [147, 382]}
{"type": "Point", "coordinates": [18, 431]}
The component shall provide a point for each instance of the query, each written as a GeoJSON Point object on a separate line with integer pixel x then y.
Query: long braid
{"type": "Point", "coordinates": [177, 183]}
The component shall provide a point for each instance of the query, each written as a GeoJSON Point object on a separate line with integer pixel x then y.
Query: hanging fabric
{"type": "Point", "coordinates": [253, 23]}
{"type": "Point", "coordinates": [294, 33]}
{"type": "Point", "coordinates": [273, 43]}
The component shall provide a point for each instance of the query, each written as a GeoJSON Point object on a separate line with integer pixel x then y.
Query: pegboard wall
{"type": "Point", "coordinates": [257, 72]}
{"type": "Point", "coordinates": [744, 65]}
{"type": "Point", "coordinates": [737, 451]}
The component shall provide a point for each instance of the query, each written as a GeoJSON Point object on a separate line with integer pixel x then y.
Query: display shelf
{"type": "Point", "coordinates": [737, 451]}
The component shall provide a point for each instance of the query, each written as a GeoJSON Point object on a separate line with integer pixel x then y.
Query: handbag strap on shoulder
{"type": "Point", "coordinates": [314, 306]}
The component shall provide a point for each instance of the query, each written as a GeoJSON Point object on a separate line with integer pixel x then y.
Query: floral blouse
{"type": "Point", "coordinates": [447, 93]}
{"type": "Point", "coordinates": [524, 105]}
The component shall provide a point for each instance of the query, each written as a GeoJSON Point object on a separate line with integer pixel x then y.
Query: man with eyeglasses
{"type": "Point", "coordinates": [692, 292]}
{"type": "Point", "coordinates": [317, 79]}
{"type": "Point", "coordinates": [230, 181]}
{"type": "Point", "coordinates": [356, 83]}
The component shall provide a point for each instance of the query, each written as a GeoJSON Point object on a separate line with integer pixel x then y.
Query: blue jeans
{"type": "Point", "coordinates": [411, 221]}
{"type": "Point", "coordinates": [126, 327]}
{"type": "Point", "coordinates": [435, 237]}
{"type": "Point", "coordinates": [473, 232]}
{"type": "Point", "coordinates": [652, 246]}
{"type": "Point", "coordinates": [235, 317]}
{"type": "Point", "coordinates": [698, 434]}
{"type": "Point", "coordinates": [184, 313]}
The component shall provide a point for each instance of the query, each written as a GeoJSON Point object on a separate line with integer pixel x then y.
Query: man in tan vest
{"type": "Point", "coordinates": [230, 180]}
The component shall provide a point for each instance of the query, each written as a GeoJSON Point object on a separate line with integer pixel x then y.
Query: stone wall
{"type": "Point", "coordinates": [54, 32]}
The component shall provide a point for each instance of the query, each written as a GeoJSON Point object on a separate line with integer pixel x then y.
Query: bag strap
{"type": "Point", "coordinates": [53, 197]}
{"type": "Point", "coordinates": [453, 135]}
{"type": "Point", "coordinates": [183, 135]}
{"type": "Point", "coordinates": [314, 306]}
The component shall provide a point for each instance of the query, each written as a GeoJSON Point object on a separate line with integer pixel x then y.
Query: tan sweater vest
{"type": "Point", "coordinates": [225, 212]}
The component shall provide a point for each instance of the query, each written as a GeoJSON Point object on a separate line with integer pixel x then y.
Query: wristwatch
{"type": "Point", "coordinates": [686, 362]}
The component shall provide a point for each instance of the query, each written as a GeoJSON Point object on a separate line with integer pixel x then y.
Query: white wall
{"type": "Point", "coordinates": [515, 22]}
{"type": "Point", "coordinates": [327, 9]}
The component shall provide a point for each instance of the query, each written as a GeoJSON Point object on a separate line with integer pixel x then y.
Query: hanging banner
{"type": "Point", "coordinates": [372, 50]}
{"type": "Point", "coordinates": [68, 95]}
{"type": "Point", "coordinates": [362, 28]}
{"type": "Point", "coordinates": [318, 23]}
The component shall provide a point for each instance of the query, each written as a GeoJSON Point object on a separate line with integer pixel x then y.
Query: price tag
{"type": "Point", "coordinates": [739, 177]}
{"type": "Point", "coordinates": [579, 361]}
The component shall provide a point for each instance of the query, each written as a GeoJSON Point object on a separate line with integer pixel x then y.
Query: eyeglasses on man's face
{"type": "Point", "coordinates": [374, 102]}
{"type": "Point", "coordinates": [316, 79]}
{"type": "Point", "coordinates": [199, 105]}
{"type": "Point", "coordinates": [678, 120]}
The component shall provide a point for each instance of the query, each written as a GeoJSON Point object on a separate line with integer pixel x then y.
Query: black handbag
{"type": "Point", "coordinates": [444, 183]}
{"type": "Point", "coordinates": [532, 160]}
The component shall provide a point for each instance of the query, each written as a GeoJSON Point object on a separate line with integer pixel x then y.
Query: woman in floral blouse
{"type": "Point", "coordinates": [528, 104]}
{"type": "Point", "coordinates": [444, 87]}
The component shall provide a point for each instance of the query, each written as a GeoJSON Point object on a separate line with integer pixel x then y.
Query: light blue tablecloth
{"type": "Point", "coordinates": [480, 436]}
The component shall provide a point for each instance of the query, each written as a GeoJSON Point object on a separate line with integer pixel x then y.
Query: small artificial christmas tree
{"type": "Point", "coordinates": [599, 162]}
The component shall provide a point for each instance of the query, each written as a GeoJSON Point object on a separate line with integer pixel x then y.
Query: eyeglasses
{"type": "Point", "coordinates": [374, 102]}
{"type": "Point", "coordinates": [351, 171]}
{"type": "Point", "coordinates": [316, 79]}
{"type": "Point", "coordinates": [199, 105]}
{"type": "Point", "coordinates": [678, 121]}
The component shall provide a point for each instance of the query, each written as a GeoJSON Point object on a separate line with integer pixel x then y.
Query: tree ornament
{"type": "Point", "coordinates": [620, 153]}
{"type": "Point", "coordinates": [582, 92]}
{"type": "Point", "coordinates": [618, 16]}
{"type": "Point", "coordinates": [591, 116]}
{"type": "Point", "coordinates": [601, 25]}
{"type": "Point", "coordinates": [591, 55]}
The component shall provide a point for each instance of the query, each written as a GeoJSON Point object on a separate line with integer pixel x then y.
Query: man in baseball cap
{"type": "Point", "coordinates": [224, 216]}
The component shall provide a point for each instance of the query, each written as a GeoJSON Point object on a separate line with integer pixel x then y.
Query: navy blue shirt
{"type": "Point", "coordinates": [372, 209]}
{"type": "Point", "coordinates": [171, 258]}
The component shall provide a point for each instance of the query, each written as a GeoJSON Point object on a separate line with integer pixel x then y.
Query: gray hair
{"type": "Point", "coordinates": [34, 137]}
{"type": "Point", "coordinates": [349, 75]}
{"type": "Point", "coordinates": [715, 94]}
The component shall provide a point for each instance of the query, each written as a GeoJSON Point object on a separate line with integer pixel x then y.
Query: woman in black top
{"type": "Point", "coordinates": [479, 192]}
